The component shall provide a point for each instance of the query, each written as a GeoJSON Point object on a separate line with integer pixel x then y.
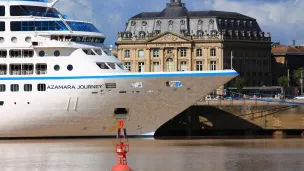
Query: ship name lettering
{"type": "Point", "coordinates": [70, 87]}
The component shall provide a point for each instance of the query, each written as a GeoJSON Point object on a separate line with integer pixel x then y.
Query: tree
{"type": "Point", "coordinates": [297, 75]}
{"type": "Point", "coordinates": [274, 44]}
{"type": "Point", "coordinates": [283, 81]}
{"type": "Point", "coordinates": [239, 84]}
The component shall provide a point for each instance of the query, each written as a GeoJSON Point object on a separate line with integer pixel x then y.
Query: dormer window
{"type": "Point", "coordinates": [200, 22]}
{"type": "Point", "coordinates": [170, 25]}
{"type": "Point", "coordinates": [211, 21]}
{"type": "Point", "coordinates": [220, 21]}
{"type": "Point", "coordinates": [144, 23]}
{"type": "Point", "coordinates": [200, 33]}
{"type": "Point", "coordinates": [238, 23]}
{"type": "Point", "coordinates": [182, 26]}
{"type": "Point", "coordinates": [158, 25]}
{"type": "Point", "coordinates": [213, 33]}
{"type": "Point", "coordinates": [133, 23]}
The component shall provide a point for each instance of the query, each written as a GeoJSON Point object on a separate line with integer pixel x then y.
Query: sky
{"type": "Point", "coordinates": [283, 18]}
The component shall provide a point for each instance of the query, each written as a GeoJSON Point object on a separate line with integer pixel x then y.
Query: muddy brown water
{"type": "Point", "coordinates": [154, 155]}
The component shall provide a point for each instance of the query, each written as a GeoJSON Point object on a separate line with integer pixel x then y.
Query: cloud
{"type": "Point", "coordinates": [283, 18]}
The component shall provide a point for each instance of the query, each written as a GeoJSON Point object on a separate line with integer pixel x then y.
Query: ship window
{"type": "Point", "coordinates": [38, 26]}
{"type": "Point", "coordinates": [2, 88]}
{"type": "Point", "coordinates": [102, 65]}
{"type": "Point", "coordinates": [82, 26]}
{"type": "Point", "coordinates": [120, 65]}
{"type": "Point", "coordinates": [41, 53]}
{"type": "Point", "coordinates": [3, 69]}
{"type": "Point", "coordinates": [70, 67]}
{"type": "Point", "coordinates": [1, 103]}
{"type": "Point", "coordinates": [25, 10]}
{"type": "Point", "coordinates": [21, 69]}
{"type": "Point", "coordinates": [28, 87]}
{"type": "Point", "coordinates": [14, 87]}
{"type": "Point", "coordinates": [2, 11]}
{"type": "Point", "coordinates": [98, 51]}
{"type": "Point", "coordinates": [27, 53]}
{"type": "Point", "coordinates": [15, 53]}
{"type": "Point", "coordinates": [41, 87]}
{"type": "Point", "coordinates": [2, 26]}
{"type": "Point", "coordinates": [41, 69]}
{"type": "Point", "coordinates": [112, 65]}
{"type": "Point", "coordinates": [57, 53]}
{"type": "Point", "coordinates": [56, 67]}
{"type": "Point", "coordinates": [88, 51]}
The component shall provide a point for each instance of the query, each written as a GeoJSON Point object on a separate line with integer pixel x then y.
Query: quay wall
{"type": "Point", "coordinates": [236, 118]}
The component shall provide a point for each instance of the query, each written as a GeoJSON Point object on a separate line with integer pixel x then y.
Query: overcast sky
{"type": "Point", "coordinates": [283, 18]}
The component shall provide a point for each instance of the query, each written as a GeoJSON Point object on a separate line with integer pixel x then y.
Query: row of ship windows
{"type": "Point", "coordinates": [26, 87]}
{"type": "Point", "coordinates": [26, 53]}
{"type": "Point", "coordinates": [28, 69]}
{"type": "Point", "coordinates": [49, 26]}
{"type": "Point", "coordinates": [26, 10]}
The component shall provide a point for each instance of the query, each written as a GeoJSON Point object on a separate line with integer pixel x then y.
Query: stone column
{"type": "Point", "coordinates": [162, 59]}
{"type": "Point", "coordinates": [222, 57]}
{"type": "Point", "coordinates": [148, 60]}
{"type": "Point", "coordinates": [175, 60]}
{"type": "Point", "coordinates": [207, 56]}
{"type": "Point", "coordinates": [189, 56]}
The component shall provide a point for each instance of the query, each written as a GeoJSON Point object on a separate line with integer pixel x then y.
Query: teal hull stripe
{"type": "Point", "coordinates": [120, 76]}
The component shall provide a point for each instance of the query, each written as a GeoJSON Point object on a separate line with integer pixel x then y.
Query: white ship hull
{"type": "Point", "coordinates": [68, 112]}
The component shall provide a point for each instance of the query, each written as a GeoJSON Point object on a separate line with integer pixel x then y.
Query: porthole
{"type": "Point", "coordinates": [41, 53]}
{"type": "Point", "coordinates": [56, 67]}
{"type": "Point", "coordinates": [1, 39]}
{"type": "Point", "coordinates": [14, 39]}
{"type": "Point", "coordinates": [28, 39]}
{"type": "Point", "coordinates": [70, 67]}
{"type": "Point", "coordinates": [57, 53]}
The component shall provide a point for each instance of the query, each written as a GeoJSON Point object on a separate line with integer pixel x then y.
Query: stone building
{"type": "Point", "coordinates": [287, 58]}
{"type": "Point", "coordinates": [176, 39]}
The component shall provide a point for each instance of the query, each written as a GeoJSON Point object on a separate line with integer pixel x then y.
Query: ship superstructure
{"type": "Point", "coordinates": [57, 79]}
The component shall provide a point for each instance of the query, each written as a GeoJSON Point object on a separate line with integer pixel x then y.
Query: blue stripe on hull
{"type": "Point", "coordinates": [122, 76]}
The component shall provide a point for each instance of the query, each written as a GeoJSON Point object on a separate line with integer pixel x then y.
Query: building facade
{"type": "Point", "coordinates": [286, 60]}
{"type": "Point", "coordinates": [176, 39]}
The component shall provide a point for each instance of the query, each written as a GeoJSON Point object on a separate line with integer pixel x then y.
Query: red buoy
{"type": "Point", "coordinates": [122, 149]}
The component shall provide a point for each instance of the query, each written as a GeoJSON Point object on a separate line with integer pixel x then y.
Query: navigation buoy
{"type": "Point", "coordinates": [122, 149]}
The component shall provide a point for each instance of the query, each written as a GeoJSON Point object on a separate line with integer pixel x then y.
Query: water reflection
{"type": "Point", "coordinates": [154, 155]}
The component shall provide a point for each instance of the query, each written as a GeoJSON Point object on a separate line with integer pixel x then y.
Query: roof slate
{"type": "Point", "coordinates": [177, 12]}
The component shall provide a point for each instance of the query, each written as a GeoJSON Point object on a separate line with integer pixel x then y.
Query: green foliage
{"type": "Point", "coordinates": [297, 74]}
{"type": "Point", "coordinates": [283, 81]}
{"type": "Point", "coordinates": [274, 44]}
{"type": "Point", "coordinates": [239, 83]}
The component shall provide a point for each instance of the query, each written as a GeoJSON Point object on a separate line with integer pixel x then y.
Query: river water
{"type": "Point", "coordinates": [154, 155]}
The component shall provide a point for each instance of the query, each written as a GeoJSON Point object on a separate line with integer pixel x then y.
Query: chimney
{"type": "Point", "coordinates": [293, 42]}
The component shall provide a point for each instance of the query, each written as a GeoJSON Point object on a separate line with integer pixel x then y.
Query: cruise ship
{"type": "Point", "coordinates": [57, 79]}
